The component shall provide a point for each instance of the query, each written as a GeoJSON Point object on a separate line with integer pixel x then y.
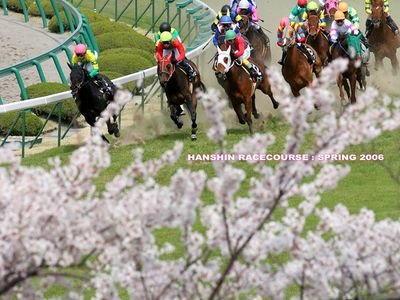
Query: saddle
{"type": "Point", "coordinates": [308, 52]}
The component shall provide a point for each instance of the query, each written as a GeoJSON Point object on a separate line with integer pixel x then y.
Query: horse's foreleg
{"type": "Point", "coordinates": [266, 89]}
{"type": "Point", "coordinates": [254, 108]}
{"type": "Point", "coordinates": [113, 128]}
{"type": "Point", "coordinates": [192, 105]}
{"type": "Point", "coordinates": [238, 109]}
{"type": "Point", "coordinates": [340, 86]}
{"type": "Point", "coordinates": [353, 84]}
{"type": "Point", "coordinates": [395, 64]}
{"type": "Point", "coordinates": [174, 116]}
{"type": "Point", "coordinates": [249, 121]}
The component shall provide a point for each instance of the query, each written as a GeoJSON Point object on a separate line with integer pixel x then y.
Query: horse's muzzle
{"type": "Point", "coordinates": [220, 75]}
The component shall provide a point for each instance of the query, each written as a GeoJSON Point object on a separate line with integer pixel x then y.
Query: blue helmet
{"type": "Point", "coordinates": [225, 20]}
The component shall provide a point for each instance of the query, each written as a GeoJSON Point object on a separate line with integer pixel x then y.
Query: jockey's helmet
{"type": "Point", "coordinates": [312, 6]}
{"type": "Point", "coordinates": [225, 20]}
{"type": "Point", "coordinates": [339, 16]}
{"type": "Point", "coordinates": [80, 49]}
{"type": "Point", "coordinates": [165, 37]}
{"type": "Point", "coordinates": [244, 4]}
{"type": "Point", "coordinates": [344, 7]}
{"type": "Point", "coordinates": [284, 22]}
{"type": "Point", "coordinates": [165, 26]}
{"type": "Point", "coordinates": [230, 35]}
{"type": "Point", "coordinates": [225, 9]}
{"type": "Point", "coordinates": [302, 3]}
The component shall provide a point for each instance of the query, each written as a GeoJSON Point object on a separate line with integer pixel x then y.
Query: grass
{"type": "Point", "coordinates": [368, 184]}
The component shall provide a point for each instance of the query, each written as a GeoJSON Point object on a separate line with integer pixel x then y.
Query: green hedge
{"type": "Point", "coordinates": [93, 17]}
{"type": "Point", "coordinates": [132, 39]}
{"type": "Point", "coordinates": [33, 124]}
{"type": "Point", "coordinates": [15, 5]}
{"type": "Point", "coordinates": [105, 26]}
{"type": "Point", "coordinates": [33, 9]}
{"type": "Point", "coordinates": [124, 63]}
{"type": "Point", "coordinates": [147, 55]}
{"type": "Point", "coordinates": [69, 108]}
{"type": "Point", "coordinates": [53, 24]}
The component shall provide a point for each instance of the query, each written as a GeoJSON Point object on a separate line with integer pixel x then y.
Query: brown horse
{"type": "Point", "coordinates": [383, 42]}
{"type": "Point", "coordinates": [317, 39]}
{"type": "Point", "coordinates": [348, 79]}
{"type": "Point", "coordinates": [258, 39]}
{"type": "Point", "coordinates": [238, 85]}
{"type": "Point", "coordinates": [179, 90]}
{"type": "Point", "coordinates": [296, 69]}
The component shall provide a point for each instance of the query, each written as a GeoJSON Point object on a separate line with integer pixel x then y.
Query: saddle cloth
{"type": "Point", "coordinates": [307, 52]}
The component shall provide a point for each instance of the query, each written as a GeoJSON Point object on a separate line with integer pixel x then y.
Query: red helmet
{"type": "Point", "coordinates": [284, 22]}
{"type": "Point", "coordinates": [302, 3]}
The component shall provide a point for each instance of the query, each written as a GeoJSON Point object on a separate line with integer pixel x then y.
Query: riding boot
{"type": "Point", "coordinates": [364, 41]}
{"type": "Point", "coordinates": [283, 58]}
{"type": "Point", "coordinates": [392, 25]}
{"type": "Point", "coordinates": [188, 69]}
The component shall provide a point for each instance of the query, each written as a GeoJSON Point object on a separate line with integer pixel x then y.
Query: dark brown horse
{"type": "Point", "coordinates": [258, 39]}
{"type": "Point", "coordinates": [317, 39]}
{"type": "Point", "coordinates": [179, 90]}
{"type": "Point", "coordinates": [383, 42]}
{"type": "Point", "coordinates": [238, 85]}
{"type": "Point", "coordinates": [297, 69]}
{"type": "Point", "coordinates": [348, 79]}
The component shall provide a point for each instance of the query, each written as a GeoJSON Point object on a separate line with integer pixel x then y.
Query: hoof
{"type": "Point", "coordinates": [179, 125]}
{"type": "Point", "coordinates": [276, 105]}
{"type": "Point", "coordinates": [117, 134]}
{"type": "Point", "coordinates": [256, 115]}
{"type": "Point", "coordinates": [193, 137]}
{"type": "Point", "coordinates": [242, 121]}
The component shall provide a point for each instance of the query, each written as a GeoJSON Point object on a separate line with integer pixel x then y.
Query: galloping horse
{"type": "Point", "coordinates": [297, 69]}
{"type": "Point", "coordinates": [330, 7]}
{"type": "Point", "coordinates": [346, 48]}
{"type": "Point", "coordinates": [258, 39]}
{"type": "Point", "coordinates": [317, 39]}
{"type": "Point", "coordinates": [179, 90]}
{"type": "Point", "coordinates": [383, 42]}
{"type": "Point", "coordinates": [238, 85]}
{"type": "Point", "coordinates": [90, 100]}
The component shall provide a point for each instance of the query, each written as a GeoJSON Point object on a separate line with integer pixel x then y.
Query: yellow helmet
{"type": "Point", "coordinates": [344, 7]}
{"type": "Point", "coordinates": [312, 6]}
{"type": "Point", "coordinates": [339, 15]}
{"type": "Point", "coordinates": [166, 36]}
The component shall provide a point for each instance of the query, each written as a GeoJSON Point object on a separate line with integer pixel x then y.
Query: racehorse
{"type": "Point", "coordinates": [383, 42]}
{"type": "Point", "coordinates": [258, 39]}
{"type": "Point", "coordinates": [238, 85]}
{"type": "Point", "coordinates": [330, 7]}
{"type": "Point", "coordinates": [346, 48]}
{"type": "Point", "coordinates": [89, 98]}
{"type": "Point", "coordinates": [317, 39]}
{"type": "Point", "coordinates": [179, 90]}
{"type": "Point", "coordinates": [297, 69]}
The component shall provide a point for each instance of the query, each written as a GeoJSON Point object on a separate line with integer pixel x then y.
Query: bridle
{"type": "Point", "coordinates": [76, 87]}
{"type": "Point", "coordinates": [220, 60]}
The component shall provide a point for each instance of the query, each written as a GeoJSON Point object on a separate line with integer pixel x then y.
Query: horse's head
{"type": "Point", "coordinates": [165, 69]}
{"type": "Point", "coordinates": [289, 37]}
{"type": "Point", "coordinates": [377, 12]}
{"type": "Point", "coordinates": [245, 23]}
{"type": "Point", "coordinates": [223, 60]}
{"type": "Point", "coordinates": [313, 25]}
{"type": "Point", "coordinates": [78, 78]}
{"type": "Point", "coordinates": [331, 6]}
{"type": "Point", "coordinates": [353, 46]}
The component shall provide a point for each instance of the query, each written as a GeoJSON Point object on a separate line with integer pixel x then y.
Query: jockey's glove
{"type": "Point", "coordinates": [368, 11]}
{"type": "Point", "coordinates": [173, 60]}
{"type": "Point", "coordinates": [93, 73]}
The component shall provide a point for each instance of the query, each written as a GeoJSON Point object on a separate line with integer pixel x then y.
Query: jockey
{"type": "Point", "coordinates": [225, 24]}
{"type": "Point", "coordinates": [244, 5]}
{"type": "Point", "coordinates": [165, 26]}
{"type": "Point", "coordinates": [350, 13]}
{"type": "Point", "coordinates": [340, 27]}
{"type": "Point", "coordinates": [226, 11]}
{"type": "Point", "coordinates": [296, 16]}
{"type": "Point", "coordinates": [83, 56]}
{"type": "Point", "coordinates": [235, 5]}
{"type": "Point", "coordinates": [166, 45]}
{"type": "Point", "coordinates": [313, 9]}
{"type": "Point", "coordinates": [389, 20]}
{"type": "Point", "coordinates": [240, 51]}
{"type": "Point", "coordinates": [299, 32]}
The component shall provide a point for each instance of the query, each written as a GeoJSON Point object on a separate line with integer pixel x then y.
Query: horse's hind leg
{"type": "Point", "coordinates": [266, 89]}
{"type": "Point", "coordinates": [192, 105]}
{"type": "Point", "coordinates": [238, 109]}
{"type": "Point", "coordinates": [248, 114]}
{"type": "Point", "coordinates": [113, 128]}
{"type": "Point", "coordinates": [395, 64]}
